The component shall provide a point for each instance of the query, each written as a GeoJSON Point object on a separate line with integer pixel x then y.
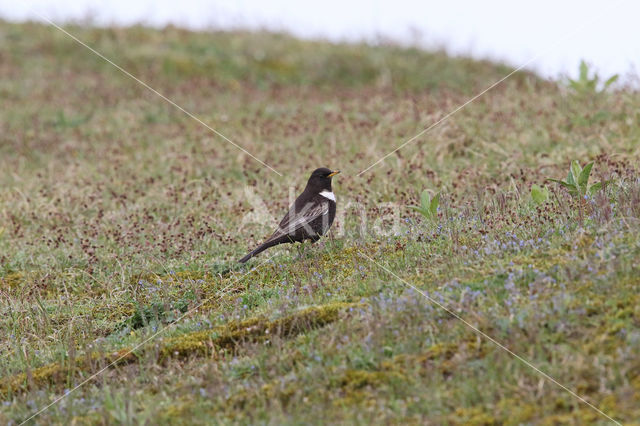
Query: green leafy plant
{"type": "Point", "coordinates": [585, 85]}
{"type": "Point", "coordinates": [539, 194]}
{"type": "Point", "coordinates": [428, 207]}
{"type": "Point", "coordinates": [577, 182]}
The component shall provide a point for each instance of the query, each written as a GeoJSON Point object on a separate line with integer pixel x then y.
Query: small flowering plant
{"type": "Point", "coordinates": [577, 182]}
{"type": "Point", "coordinates": [428, 206]}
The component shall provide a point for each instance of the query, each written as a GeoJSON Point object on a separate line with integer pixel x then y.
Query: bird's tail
{"type": "Point", "coordinates": [262, 247]}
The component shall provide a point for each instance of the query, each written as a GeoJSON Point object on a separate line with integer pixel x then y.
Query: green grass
{"type": "Point", "coordinates": [119, 215]}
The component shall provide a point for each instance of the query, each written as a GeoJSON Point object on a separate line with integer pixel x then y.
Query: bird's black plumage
{"type": "Point", "coordinates": [309, 217]}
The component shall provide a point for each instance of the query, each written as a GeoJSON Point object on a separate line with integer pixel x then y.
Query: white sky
{"type": "Point", "coordinates": [558, 33]}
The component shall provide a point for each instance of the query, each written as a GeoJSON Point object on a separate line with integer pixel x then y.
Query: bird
{"type": "Point", "coordinates": [310, 216]}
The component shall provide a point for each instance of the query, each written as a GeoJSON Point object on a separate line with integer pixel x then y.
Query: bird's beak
{"type": "Point", "coordinates": [332, 174]}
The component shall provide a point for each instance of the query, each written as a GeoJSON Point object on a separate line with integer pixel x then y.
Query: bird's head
{"type": "Point", "coordinates": [321, 179]}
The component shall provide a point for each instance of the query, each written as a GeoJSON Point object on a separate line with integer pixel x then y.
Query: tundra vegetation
{"type": "Point", "coordinates": [121, 218]}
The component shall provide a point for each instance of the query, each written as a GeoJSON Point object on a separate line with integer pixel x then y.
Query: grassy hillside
{"type": "Point", "coordinates": [119, 214]}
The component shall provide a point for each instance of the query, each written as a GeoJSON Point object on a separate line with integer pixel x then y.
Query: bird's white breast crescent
{"type": "Point", "coordinates": [330, 195]}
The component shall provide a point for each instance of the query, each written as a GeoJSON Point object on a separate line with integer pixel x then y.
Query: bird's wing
{"type": "Point", "coordinates": [295, 220]}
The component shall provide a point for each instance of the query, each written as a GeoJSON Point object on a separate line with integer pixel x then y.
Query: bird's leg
{"type": "Point", "coordinates": [326, 241]}
{"type": "Point", "coordinates": [300, 248]}
{"type": "Point", "coordinates": [304, 248]}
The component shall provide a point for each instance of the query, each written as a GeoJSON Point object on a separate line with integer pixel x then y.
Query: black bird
{"type": "Point", "coordinates": [309, 217]}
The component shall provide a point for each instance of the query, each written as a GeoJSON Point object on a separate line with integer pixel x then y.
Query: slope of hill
{"type": "Point", "coordinates": [121, 219]}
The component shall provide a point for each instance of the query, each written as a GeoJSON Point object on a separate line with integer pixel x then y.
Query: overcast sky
{"type": "Point", "coordinates": [556, 33]}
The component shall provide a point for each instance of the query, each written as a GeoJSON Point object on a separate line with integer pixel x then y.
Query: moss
{"type": "Point", "coordinates": [360, 386]}
{"type": "Point", "coordinates": [466, 348]}
{"type": "Point", "coordinates": [12, 280]}
{"type": "Point", "coordinates": [112, 313]}
{"type": "Point", "coordinates": [87, 419]}
{"type": "Point", "coordinates": [276, 390]}
{"type": "Point", "coordinates": [441, 350]}
{"type": "Point", "coordinates": [254, 329]}
{"type": "Point", "coordinates": [273, 391]}
{"type": "Point", "coordinates": [59, 372]}
{"type": "Point", "coordinates": [340, 263]}
{"type": "Point", "coordinates": [635, 383]}
{"type": "Point", "coordinates": [336, 266]}
{"type": "Point", "coordinates": [445, 357]}
{"type": "Point", "coordinates": [178, 412]}
{"type": "Point", "coordinates": [543, 260]}
{"type": "Point", "coordinates": [356, 379]}
{"type": "Point", "coordinates": [472, 416]}
{"type": "Point", "coordinates": [200, 343]}
{"type": "Point", "coordinates": [46, 374]}
{"type": "Point", "coordinates": [581, 416]}
{"type": "Point", "coordinates": [515, 411]}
